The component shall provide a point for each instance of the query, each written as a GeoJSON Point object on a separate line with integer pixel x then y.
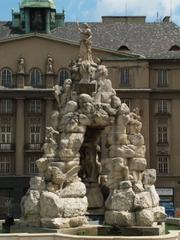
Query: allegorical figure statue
{"type": "Point", "coordinates": [63, 93]}
{"type": "Point", "coordinates": [50, 145]}
{"type": "Point", "coordinates": [86, 43]}
{"type": "Point", "coordinates": [21, 65]}
{"type": "Point", "coordinates": [49, 68]}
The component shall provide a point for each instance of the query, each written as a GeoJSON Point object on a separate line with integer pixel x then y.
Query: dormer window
{"type": "Point", "coordinates": [123, 48]}
{"type": "Point", "coordinates": [174, 48]}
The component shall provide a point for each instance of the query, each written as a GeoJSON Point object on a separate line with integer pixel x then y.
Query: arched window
{"type": "Point", "coordinates": [63, 75]}
{"type": "Point", "coordinates": [6, 77]}
{"type": "Point", "coordinates": [36, 78]}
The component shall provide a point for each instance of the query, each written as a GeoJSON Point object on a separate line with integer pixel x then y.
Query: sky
{"type": "Point", "coordinates": [92, 10]}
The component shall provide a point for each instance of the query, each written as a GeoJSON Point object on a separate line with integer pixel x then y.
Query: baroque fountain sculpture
{"type": "Point", "coordinates": [88, 106]}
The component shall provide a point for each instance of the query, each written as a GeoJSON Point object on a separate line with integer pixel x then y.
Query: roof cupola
{"type": "Point", "coordinates": [37, 16]}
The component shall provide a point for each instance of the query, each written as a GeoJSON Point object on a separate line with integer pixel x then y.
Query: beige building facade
{"type": "Point", "coordinates": [144, 78]}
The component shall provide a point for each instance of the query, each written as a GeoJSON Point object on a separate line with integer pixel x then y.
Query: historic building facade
{"type": "Point", "coordinates": [144, 65]}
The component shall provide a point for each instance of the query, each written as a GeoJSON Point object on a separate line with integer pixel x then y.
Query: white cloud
{"type": "Point", "coordinates": [147, 8]}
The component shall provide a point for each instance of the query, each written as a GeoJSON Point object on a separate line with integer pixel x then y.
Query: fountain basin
{"type": "Point", "coordinates": [61, 236]}
{"type": "Point", "coordinates": [96, 232]}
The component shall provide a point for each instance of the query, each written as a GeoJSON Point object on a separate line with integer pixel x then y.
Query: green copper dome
{"type": "Point", "coordinates": [38, 4]}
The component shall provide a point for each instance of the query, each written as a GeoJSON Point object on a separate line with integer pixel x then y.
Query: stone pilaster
{"type": "Point", "coordinates": [27, 21]}
{"type": "Point", "coordinates": [20, 80]}
{"type": "Point", "coordinates": [20, 137]}
{"type": "Point", "coordinates": [49, 80]}
{"type": "Point", "coordinates": [49, 108]}
{"type": "Point", "coordinates": [47, 21]}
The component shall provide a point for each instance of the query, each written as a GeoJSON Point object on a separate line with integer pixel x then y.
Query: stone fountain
{"type": "Point", "coordinates": [87, 107]}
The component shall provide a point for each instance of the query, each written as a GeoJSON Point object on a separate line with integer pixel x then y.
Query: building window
{"type": "Point", "coordinates": [162, 106]}
{"type": "Point", "coordinates": [36, 78]}
{"type": "Point", "coordinates": [35, 131]}
{"type": "Point", "coordinates": [162, 135]}
{"type": "Point", "coordinates": [124, 76]}
{"type": "Point", "coordinates": [5, 134]}
{"type": "Point", "coordinates": [5, 165]}
{"type": "Point", "coordinates": [163, 165]}
{"type": "Point", "coordinates": [35, 106]}
{"type": "Point", "coordinates": [162, 78]}
{"type": "Point", "coordinates": [6, 106]}
{"type": "Point", "coordinates": [32, 167]}
{"type": "Point", "coordinates": [6, 77]}
{"type": "Point", "coordinates": [63, 75]}
{"type": "Point", "coordinates": [35, 134]}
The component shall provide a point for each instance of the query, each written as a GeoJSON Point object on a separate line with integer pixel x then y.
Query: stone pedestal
{"type": "Point", "coordinates": [49, 80]}
{"type": "Point", "coordinates": [94, 196]}
{"type": "Point", "coordinates": [20, 80]}
{"type": "Point", "coordinates": [49, 107]}
{"type": "Point", "coordinates": [20, 138]}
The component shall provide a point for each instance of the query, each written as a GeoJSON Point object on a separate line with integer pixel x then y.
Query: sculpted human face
{"type": "Point", "coordinates": [67, 84]}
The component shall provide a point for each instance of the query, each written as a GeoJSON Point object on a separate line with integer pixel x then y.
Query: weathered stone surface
{"type": "Point", "coordinates": [145, 217]}
{"type": "Point", "coordinates": [52, 187]}
{"type": "Point", "coordinates": [149, 177]}
{"type": "Point", "coordinates": [121, 151]}
{"type": "Point", "coordinates": [58, 177]}
{"type": "Point", "coordinates": [95, 197]}
{"type": "Point", "coordinates": [122, 218]}
{"type": "Point", "coordinates": [72, 141]}
{"type": "Point", "coordinates": [140, 151]}
{"type": "Point", "coordinates": [118, 171]}
{"type": "Point", "coordinates": [76, 189]}
{"type": "Point", "coordinates": [159, 214]}
{"type": "Point", "coordinates": [51, 206]}
{"type": "Point", "coordinates": [154, 196]}
{"type": "Point", "coordinates": [122, 200]}
{"type": "Point", "coordinates": [137, 164]}
{"type": "Point", "coordinates": [42, 164]}
{"type": "Point", "coordinates": [138, 188]}
{"type": "Point", "coordinates": [78, 221]}
{"type": "Point", "coordinates": [136, 139]}
{"type": "Point", "coordinates": [117, 136]}
{"type": "Point", "coordinates": [32, 220]}
{"type": "Point", "coordinates": [37, 183]}
{"type": "Point", "coordinates": [55, 223]}
{"type": "Point", "coordinates": [30, 203]}
{"type": "Point", "coordinates": [74, 207]}
{"type": "Point", "coordinates": [142, 200]}
{"type": "Point", "coordinates": [125, 185]}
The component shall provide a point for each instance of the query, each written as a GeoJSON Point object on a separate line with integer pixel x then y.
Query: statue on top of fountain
{"type": "Point", "coordinates": [86, 43]}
